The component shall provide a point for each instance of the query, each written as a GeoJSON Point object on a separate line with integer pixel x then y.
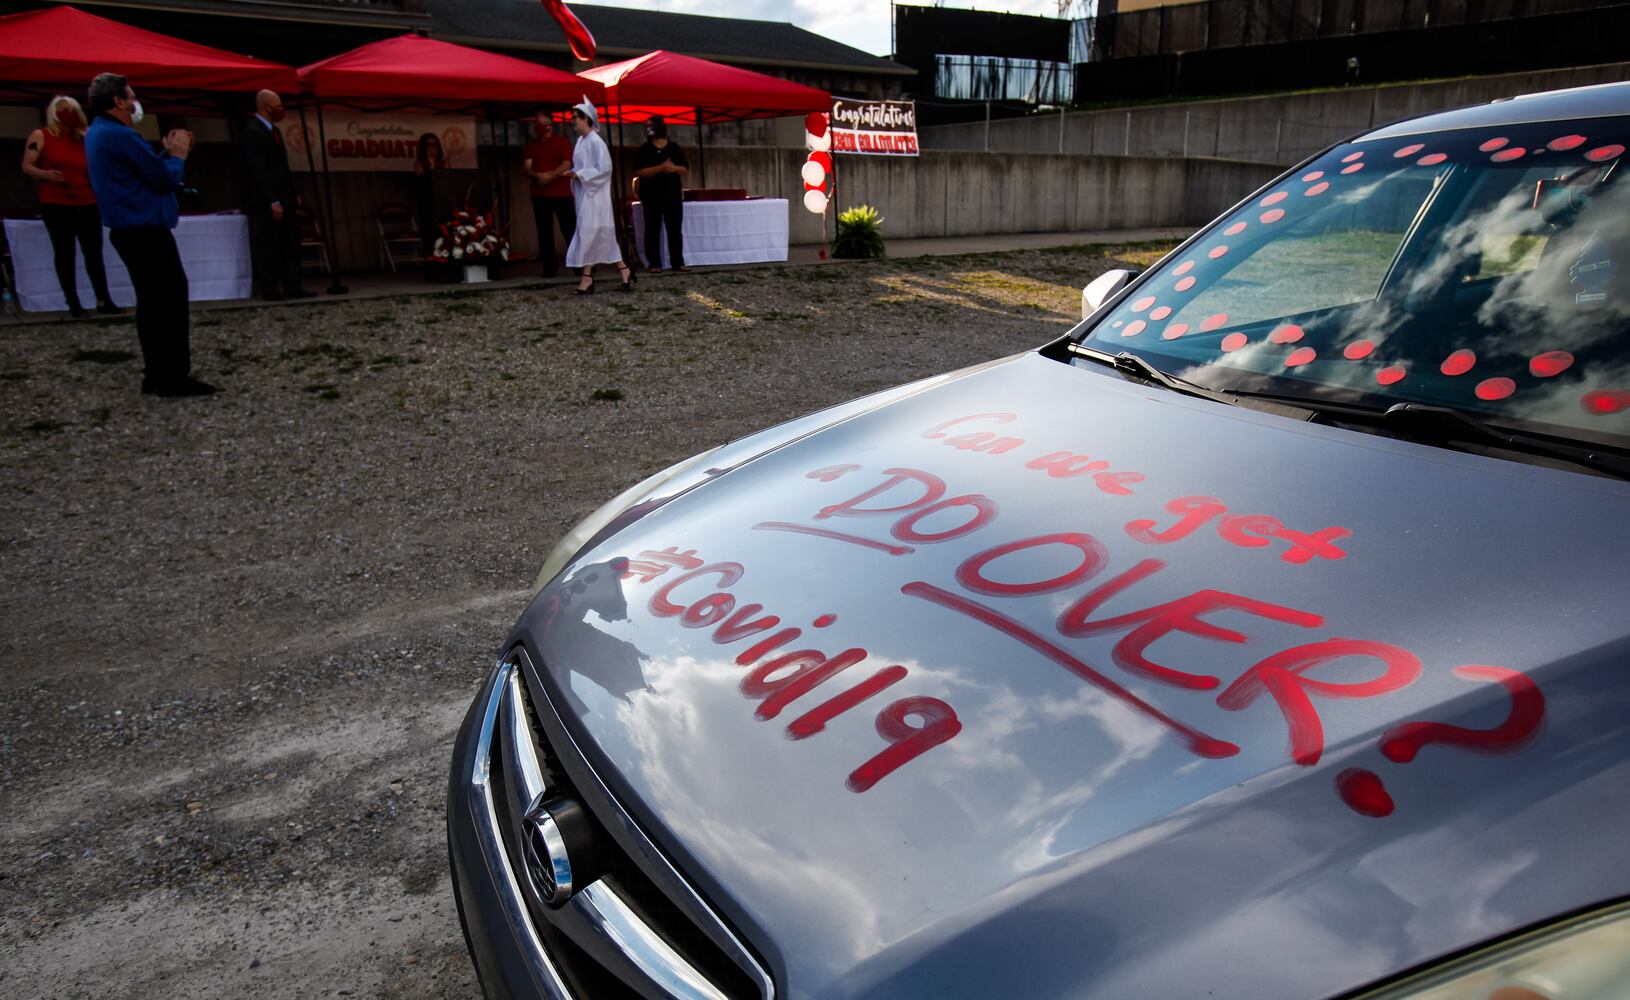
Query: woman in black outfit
{"type": "Point", "coordinates": [428, 164]}
{"type": "Point", "coordinates": [661, 167]}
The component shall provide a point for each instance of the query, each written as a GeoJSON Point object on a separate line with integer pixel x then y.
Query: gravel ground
{"type": "Point", "coordinates": [239, 633]}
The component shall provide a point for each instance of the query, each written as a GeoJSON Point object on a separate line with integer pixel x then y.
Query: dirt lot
{"type": "Point", "coordinates": [239, 633]}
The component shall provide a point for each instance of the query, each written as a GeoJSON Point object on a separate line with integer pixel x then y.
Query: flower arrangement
{"type": "Point", "coordinates": [470, 238]}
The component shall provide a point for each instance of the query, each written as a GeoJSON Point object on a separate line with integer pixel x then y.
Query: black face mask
{"type": "Point", "coordinates": [656, 130]}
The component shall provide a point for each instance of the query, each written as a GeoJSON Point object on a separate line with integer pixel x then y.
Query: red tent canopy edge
{"type": "Point", "coordinates": [413, 71]}
{"type": "Point", "coordinates": [677, 86]}
{"type": "Point", "coordinates": [62, 48]}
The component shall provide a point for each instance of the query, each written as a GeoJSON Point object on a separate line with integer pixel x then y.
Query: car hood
{"type": "Point", "coordinates": [1110, 692]}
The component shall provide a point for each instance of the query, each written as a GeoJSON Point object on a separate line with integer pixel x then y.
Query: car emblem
{"type": "Point", "coordinates": [548, 867]}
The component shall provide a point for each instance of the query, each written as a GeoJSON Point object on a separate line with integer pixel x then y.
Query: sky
{"type": "Point", "coordinates": [861, 23]}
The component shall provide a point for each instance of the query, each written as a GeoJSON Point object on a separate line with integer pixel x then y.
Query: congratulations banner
{"type": "Point", "coordinates": [874, 128]}
{"type": "Point", "coordinates": [358, 141]}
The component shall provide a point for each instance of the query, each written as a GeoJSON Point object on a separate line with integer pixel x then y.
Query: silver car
{"type": "Point", "coordinates": [1268, 636]}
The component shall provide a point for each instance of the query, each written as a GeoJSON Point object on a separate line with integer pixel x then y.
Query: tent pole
{"type": "Point", "coordinates": [335, 286]}
{"type": "Point", "coordinates": [316, 190]}
{"type": "Point", "coordinates": [622, 214]}
{"type": "Point", "coordinates": [701, 150]}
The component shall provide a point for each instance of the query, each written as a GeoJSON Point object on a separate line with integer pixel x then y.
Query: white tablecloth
{"type": "Point", "coordinates": [726, 232]}
{"type": "Point", "coordinates": [214, 250]}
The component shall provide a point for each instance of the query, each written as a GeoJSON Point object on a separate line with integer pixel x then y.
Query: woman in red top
{"type": "Point", "coordinates": [54, 156]}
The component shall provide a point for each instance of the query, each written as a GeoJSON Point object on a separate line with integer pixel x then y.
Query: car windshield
{"type": "Point", "coordinates": [1484, 269]}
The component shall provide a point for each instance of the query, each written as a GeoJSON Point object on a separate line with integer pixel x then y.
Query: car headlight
{"type": "Point", "coordinates": [1585, 958]}
{"type": "Point", "coordinates": [574, 540]}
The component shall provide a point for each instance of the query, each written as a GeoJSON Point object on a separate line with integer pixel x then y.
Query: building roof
{"type": "Point", "coordinates": [621, 32]}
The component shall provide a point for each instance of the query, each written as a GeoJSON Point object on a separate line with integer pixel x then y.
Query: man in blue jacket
{"type": "Point", "coordinates": [135, 188]}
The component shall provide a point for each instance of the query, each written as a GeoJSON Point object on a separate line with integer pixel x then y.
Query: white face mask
{"type": "Point", "coordinates": [136, 114]}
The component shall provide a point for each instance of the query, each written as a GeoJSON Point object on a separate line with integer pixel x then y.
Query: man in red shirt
{"type": "Point", "coordinates": [548, 156]}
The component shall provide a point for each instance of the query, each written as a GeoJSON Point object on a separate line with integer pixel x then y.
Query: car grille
{"type": "Point", "coordinates": [622, 933]}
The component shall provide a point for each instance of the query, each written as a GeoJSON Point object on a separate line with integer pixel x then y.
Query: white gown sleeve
{"type": "Point", "coordinates": [592, 162]}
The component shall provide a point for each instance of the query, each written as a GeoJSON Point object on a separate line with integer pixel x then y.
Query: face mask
{"type": "Point", "coordinates": [67, 117]}
{"type": "Point", "coordinates": [275, 114]}
{"type": "Point", "coordinates": [136, 113]}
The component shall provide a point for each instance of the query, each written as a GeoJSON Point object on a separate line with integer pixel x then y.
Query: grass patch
{"type": "Point", "coordinates": [322, 390]}
{"type": "Point", "coordinates": [209, 321]}
{"type": "Point", "coordinates": [14, 376]}
{"type": "Point", "coordinates": [101, 357]}
{"type": "Point", "coordinates": [43, 427]}
{"type": "Point", "coordinates": [606, 395]}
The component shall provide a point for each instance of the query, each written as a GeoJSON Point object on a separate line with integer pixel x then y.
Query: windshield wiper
{"type": "Point", "coordinates": [1132, 364]}
{"type": "Point", "coordinates": [1440, 424]}
{"type": "Point", "coordinates": [1453, 423]}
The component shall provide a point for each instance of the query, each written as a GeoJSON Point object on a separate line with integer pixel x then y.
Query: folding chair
{"type": "Point", "coordinates": [399, 240]}
{"type": "Point", "coordinates": [311, 237]}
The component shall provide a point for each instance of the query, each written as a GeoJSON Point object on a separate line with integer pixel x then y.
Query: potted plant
{"type": "Point", "coordinates": [470, 240]}
{"type": "Point", "coordinates": [860, 233]}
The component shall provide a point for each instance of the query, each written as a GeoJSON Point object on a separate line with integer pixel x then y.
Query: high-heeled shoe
{"type": "Point", "coordinates": [585, 291]}
{"type": "Point", "coordinates": [628, 278]}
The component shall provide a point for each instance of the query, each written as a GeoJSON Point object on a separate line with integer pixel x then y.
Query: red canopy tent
{"type": "Point", "coordinates": [676, 86]}
{"type": "Point", "coordinates": [412, 72]}
{"type": "Point", "coordinates": [59, 50]}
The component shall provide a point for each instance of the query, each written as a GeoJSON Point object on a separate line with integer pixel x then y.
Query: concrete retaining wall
{"type": "Point", "coordinates": [970, 194]}
{"type": "Point", "coordinates": [1274, 129]}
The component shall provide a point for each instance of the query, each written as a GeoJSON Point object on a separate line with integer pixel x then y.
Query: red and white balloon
{"type": "Point", "coordinates": [817, 169]}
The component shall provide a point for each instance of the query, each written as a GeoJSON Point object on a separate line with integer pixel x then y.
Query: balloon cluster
{"type": "Point", "coordinates": [817, 169]}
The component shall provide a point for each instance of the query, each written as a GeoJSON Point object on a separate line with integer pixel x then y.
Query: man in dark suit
{"type": "Point", "coordinates": [275, 239]}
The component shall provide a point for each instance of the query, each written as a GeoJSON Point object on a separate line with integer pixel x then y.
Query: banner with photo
{"type": "Point", "coordinates": [874, 128]}
{"type": "Point", "coordinates": [373, 141]}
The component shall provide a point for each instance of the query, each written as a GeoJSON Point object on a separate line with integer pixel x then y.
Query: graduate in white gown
{"type": "Point", "coordinates": [595, 239]}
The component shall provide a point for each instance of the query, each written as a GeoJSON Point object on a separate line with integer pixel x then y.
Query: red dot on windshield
{"type": "Point", "coordinates": [1409, 150]}
{"type": "Point", "coordinates": [1605, 402]}
{"type": "Point", "coordinates": [1273, 199]}
{"type": "Point", "coordinates": [1317, 189]}
{"type": "Point", "coordinates": [1300, 356]}
{"type": "Point", "coordinates": [1235, 229]}
{"type": "Point", "coordinates": [1184, 284]}
{"type": "Point", "coordinates": [1506, 155]}
{"type": "Point", "coordinates": [1272, 216]}
{"type": "Point", "coordinates": [1217, 252]}
{"type": "Point", "coordinates": [1234, 341]}
{"type": "Point", "coordinates": [1493, 144]}
{"type": "Point", "coordinates": [1134, 328]}
{"type": "Point", "coordinates": [1310, 178]}
{"type": "Point", "coordinates": [1143, 303]}
{"type": "Point", "coordinates": [1160, 313]}
{"type": "Point", "coordinates": [1566, 142]}
{"type": "Point", "coordinates": [1432, 159]}
{"type": "Point", "coordinates": [1350, 157]}
{"type": "Point", "coordinates": [1290, 333]}
{"type": "Point", "coordinates": [1390, 374]}
{"type": "Point", "coordinates": [1550, 363]}
{"type": "Point", "coordinates": [1184, 268]}
{"type": "Point", "coordinates": [1458, 363]}
{"type": "Point", "coordinates": [1355, 168]}
{"type": "Point", "coordinates": [1601, 153]}
{"type": "Point", "coordinates": [1174, 331]}
{"type": "Point", "coordinates": [1358, 350]}
{"type": "Point", "coordinates": [1495, 388]}
{"type": "Point", "coordinates": [1214, 321]}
